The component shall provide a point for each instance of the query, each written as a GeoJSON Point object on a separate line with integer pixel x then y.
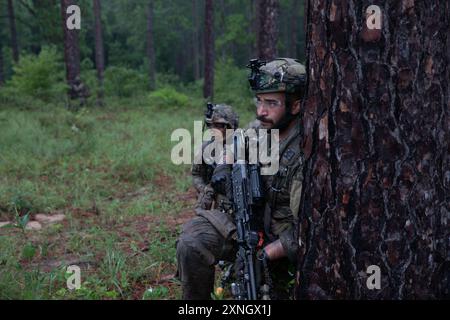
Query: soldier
{"type": "Point", "coordinates": [220, 118]}
{"type": "Point", "coordinates": [209, 237]}
{"type": "Point", "coordinates": [78, 90]}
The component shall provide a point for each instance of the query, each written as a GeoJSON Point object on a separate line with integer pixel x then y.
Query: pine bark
{"type": "Point", "coordinates": [268, 29]}
{"type": "Point", "coordinates": [255, 26]}
{"type": "Point", "coordinates": [71, 46]}
{"type": "Point", "coordinates": [376, 139]}
{"type": "Point", "coordinates": [294, 29]}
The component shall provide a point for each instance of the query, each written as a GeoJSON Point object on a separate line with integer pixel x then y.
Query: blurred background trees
{"type": "Point", "coordinates": [145, 44]}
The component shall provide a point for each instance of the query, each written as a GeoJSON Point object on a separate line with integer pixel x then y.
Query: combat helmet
{"type": "Point", "coordinates": [280, 75]}
{"type": "Point", "coordinates": [221, 113]}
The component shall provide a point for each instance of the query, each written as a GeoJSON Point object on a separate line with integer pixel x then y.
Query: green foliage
{"type": "Point", "coordinates": [155, 293]}
{"type": "Point", "coordinates": [231, 85]}
{"type": "Point", "coordinates": [21, 222]}
{"type": "Point", "coordinates": [114, 268]}
{"type": "Point", "coordinates": [28, 251]}
{"type": "Point", "coordinates": [124, 82]}
{"type": "Point", "coordinates": [21, 202]}
{"type": "Point", "coordinates": [233, 35]}
{"type": "Point", "coordinates": [114, 161]}
{"type": "Point", "coordinates": [169, 98]}
{"type": "Point", "coordinates": [39, 76]}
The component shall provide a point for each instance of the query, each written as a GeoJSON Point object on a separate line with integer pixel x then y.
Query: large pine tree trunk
{"type": "Point", "coordinates": [71, 49]}
{"type": "Point", "coordinates": [268, 29]}
{"type": "Point", "coordinates": [13, 32]}
{"type": "Point", "coordinates": [99, 52]}
{"type": "Point", "coordinates": [377, 176]}
{"type": "Point", "coordinates": [151, 45]}
{"type": "Point", "coordinates": [208, 88]}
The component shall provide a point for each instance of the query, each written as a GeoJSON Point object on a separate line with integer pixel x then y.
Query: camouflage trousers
{"type": "Point", "coordinates": [204, 241]}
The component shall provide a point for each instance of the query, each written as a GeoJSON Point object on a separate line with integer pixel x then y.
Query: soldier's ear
{"type": "Point", "coordinates": [296, 107]}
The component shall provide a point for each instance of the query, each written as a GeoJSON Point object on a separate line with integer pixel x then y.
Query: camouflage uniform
{"type": "Point", "coordinates": [201, 178]}
{"type": "Point", "coordinates": [211, 237]}
{"type": "Point", "coordinates": [202, 173]}
{"type": "Point", "coordinates": [78, 90]}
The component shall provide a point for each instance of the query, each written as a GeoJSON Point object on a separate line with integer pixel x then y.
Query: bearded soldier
{"type": "Point", "coordinates": [211, 235]}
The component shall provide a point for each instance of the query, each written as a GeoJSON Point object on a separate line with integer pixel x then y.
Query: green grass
{"type": "Point", "coordinates": [109, 171]}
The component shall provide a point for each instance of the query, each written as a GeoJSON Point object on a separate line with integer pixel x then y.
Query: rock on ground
{"type": "Point", "coordinates": [49, 219]}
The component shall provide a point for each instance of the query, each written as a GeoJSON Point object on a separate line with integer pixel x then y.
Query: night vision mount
{"type": "Point", "coordinates": [279, 81]}
{"type": "Point", "coordinates": [209, 111]}
{"type": "Point", "coordinates": [255, 75]}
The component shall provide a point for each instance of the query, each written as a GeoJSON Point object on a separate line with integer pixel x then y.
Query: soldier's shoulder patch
{"type": "Point", "coordinates": [289, 154]}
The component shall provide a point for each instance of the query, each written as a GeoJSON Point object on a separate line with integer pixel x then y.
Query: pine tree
{"type": "Point", "coordinates": [377, 131]}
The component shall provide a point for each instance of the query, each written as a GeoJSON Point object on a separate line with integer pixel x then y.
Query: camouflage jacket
{"type": "Point", "coordinates": [283, 192]}
{"type": "Point", "coordinates": [201, 173]}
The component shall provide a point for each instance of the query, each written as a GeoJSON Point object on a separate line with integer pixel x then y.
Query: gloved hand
{"type": "Point", "coordinates": [221, 179]}
{"type": "Point", "coordinates": [274, 250]}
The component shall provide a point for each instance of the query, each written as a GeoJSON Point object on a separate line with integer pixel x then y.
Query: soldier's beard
{"type": "Point", "coordinates": [284, 122]}
{"type": "Point", "coordinates": [281, 124]}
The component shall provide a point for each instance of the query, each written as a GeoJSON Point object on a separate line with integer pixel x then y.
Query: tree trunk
{"type": "Point", "coordinates": [2, 72]}
{"type": "Point", "coordinates": [99, 52]}
{"type": "Point", "coordinates": [71, 54]}
{"type": "Point", "coordinates": [251, 50]}
{"type": "Point", "coordinates": [208, 88]}
{"type": "Point", "coordinates": [376, 139]}
{"type": "Point", "coordinates": [294, 29]}
{"type": "Point", "coordinates": [151, 46]}
{"type": "Point", "coordinates": [195, 42]}
{"type": "Point", "coordinates": [268, 29]}
{"type": "Point", "coordinates": [13, 31]}
{"type": "Point", "coordinates": [256, 6]}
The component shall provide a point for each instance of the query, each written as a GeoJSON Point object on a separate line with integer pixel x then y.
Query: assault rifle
{"type": "Point", "coordinates": [247, 195]}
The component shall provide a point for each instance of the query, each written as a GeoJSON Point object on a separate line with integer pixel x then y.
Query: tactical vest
{"type": "Point", "coordinates": [283, 189]}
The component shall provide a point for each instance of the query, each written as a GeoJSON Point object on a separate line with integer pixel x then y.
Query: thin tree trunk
{"type": "Point", "coordinates": [268, 29]}
{"type": "Point", "coordinates": [2, 74]}
{"type": "Point", "coordinates": [99, 52]}
{"type": "Point", "coordinates": [151, 45]}
{"type": "Point", "coordinates": [195, 42]}
{"type": "Point", "coordinates": [13, 31]}
{"type": "Point", "coordinates": [222, 21]}
{"type": "Point", "coordinates": [251, 50]}
{"type": "Point", "coordinates": [294, 29]}
{"type": "Point", "coordinates": [376, 141]}
{"type": "Point", "coordinates": [257, 26]}
{"type": "Point", "coordinates": [208, 88]}
{"type": "Point", "coordinates": [71, 55]}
